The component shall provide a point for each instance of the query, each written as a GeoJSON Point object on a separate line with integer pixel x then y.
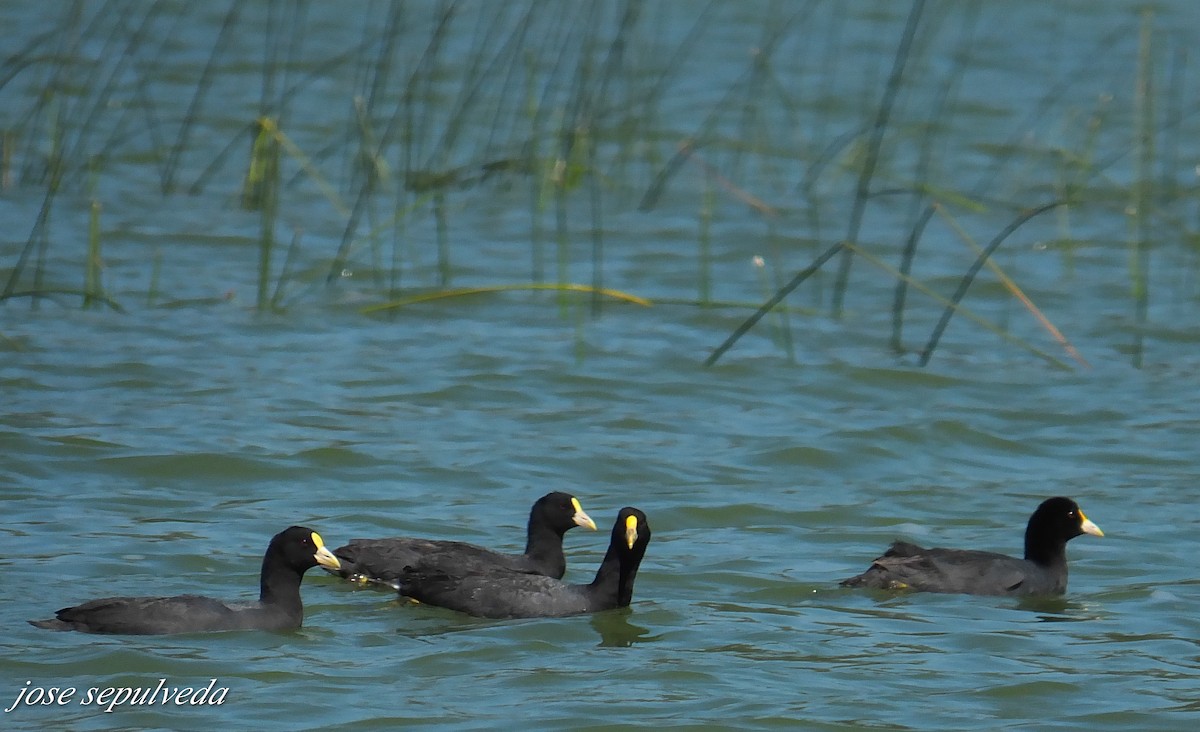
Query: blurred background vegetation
{"type": "Point", "coordinates": [902, 163]}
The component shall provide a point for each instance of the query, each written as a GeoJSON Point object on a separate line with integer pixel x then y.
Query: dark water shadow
{"type": "Point", "coordinates": [617, 632]}
{"type": "Point", "coordinates": [422, 622]}
{"type": "Point", "coordinates": [425, 622]}
{"type": "Point", "coordinates": [1050, 609]}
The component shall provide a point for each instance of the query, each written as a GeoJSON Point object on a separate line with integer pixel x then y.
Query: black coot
{"type": "Point", "coordinates": [381, 561]}
{"type": "Point", "coordinates": [288, 556]}
{"type": "Point", "coordinates": [503, 593]}
{"type": "Point", "coordinates": [1043, 571]}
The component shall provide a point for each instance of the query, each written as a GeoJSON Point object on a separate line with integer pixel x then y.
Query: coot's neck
{"type": "Point", "coordinates": [1045, 553]}
{"type": "Point", "coordinates": [544, 546]}
{"type": "Point", "coordinates": [629, 568]}
{"type": "Point", "coordinates": [614, 579]}
{"type": "Point", "coordinates": [279, 585]}
{"type": "Point", "coordinates": [607, 583]}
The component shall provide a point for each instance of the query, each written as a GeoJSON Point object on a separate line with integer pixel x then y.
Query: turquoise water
{"type": "Point", "coordinates": [764, 485]}
{"type": "Point", "coordinates": [156, 451]}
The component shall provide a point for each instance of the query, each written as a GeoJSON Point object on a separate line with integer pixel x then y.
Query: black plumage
{"type": "Point", "coordinates": [1043, 570]}
{"type": "Point", "coordinates": [289, 555]}
{"type": "Point", "coordinates": [381, 561]}
{"type": "Point", "coordinates": [502, 593]}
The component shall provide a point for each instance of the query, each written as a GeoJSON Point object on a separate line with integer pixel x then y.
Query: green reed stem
{"type": "Point", "coordinates": [968, 278]}
{"type": "Point", "coordinates": [152, 291]}
{"type": "Point", "coordinates": [562, 237]}
{"type": "Point", "coordinates": [961, 310]}
{"type": "Point", "coordinates": [38, 240]}
{"type": "Point", "coordinates": [261, 191]}
{"type": "Point", "coordinates": [92, 285]}
{"type": "Point", "coordinates": [708, 202]}
{"type": "Point", "coordinates": [286, 272]}
{"type": "Point", "coordinates": [203, 84]}
{"type": "Point", "coordinates": [7, 140]}
{"type": "Point", "coordinates": [1143, 146]}
{"type": "Point", "coordinates": [597, 230]}
{"type": "Point", "coordinates": [875, 142]}
{"type": "Point", "coordinates": [539, 180]}
{"type": "Point", "coordinates": [566, 287]}
{"type": "Point", "coordinates": [919, 214]}
{"type": "Point", "coordinates": [775, 33]}
{"type": "Point", "coordinates": [783, 319]}
{"type": "Point", "coordinates": [767, 306]}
